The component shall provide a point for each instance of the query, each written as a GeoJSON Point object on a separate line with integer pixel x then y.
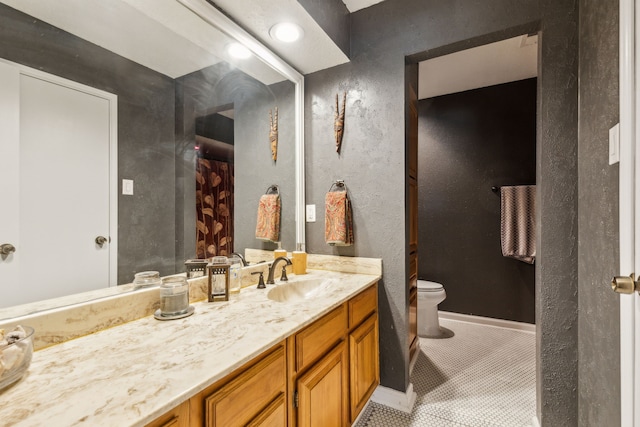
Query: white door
{"type": "Point", "coordinates": [60, 203]}
{"type": "Point", "coordinates": [630, 210]}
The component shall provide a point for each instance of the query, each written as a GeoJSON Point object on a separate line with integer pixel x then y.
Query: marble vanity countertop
{"type": "Point", "coordinates": [130, 374]}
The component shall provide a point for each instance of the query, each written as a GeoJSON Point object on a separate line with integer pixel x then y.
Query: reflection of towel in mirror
{"type": "Point", "coordinates": [268, 225]}
{"type": "Point", "coordinates": [338, 219]}
{"type": "Point", "coordinates": [518, 223]}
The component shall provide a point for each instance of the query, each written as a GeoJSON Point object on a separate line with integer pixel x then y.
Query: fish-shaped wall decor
{"type": "Point", "coordinates": [273, 134]}
{"type": "Point", "coordinates": [339, 123]}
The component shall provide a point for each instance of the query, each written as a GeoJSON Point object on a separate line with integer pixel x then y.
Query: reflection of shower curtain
{"type": "Point", "coordinates": [214, 208]}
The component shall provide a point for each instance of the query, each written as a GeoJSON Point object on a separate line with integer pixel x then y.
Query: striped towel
{"type": "Point", "coordinates": [338, 219]}
{"type": "Point", "coordinates": [268, 224]}
{"type": "Point", "coordinates": [518, 222]}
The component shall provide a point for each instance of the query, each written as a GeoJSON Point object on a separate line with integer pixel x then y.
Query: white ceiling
{"type": "Point", "coordinates": [354, 5]}
{"type": "Point", "coordinates": [496, 63]}
{"type": "Point", "coordinates": [315, 51]}
{"type": "Point", "coordinates": [167, 37]}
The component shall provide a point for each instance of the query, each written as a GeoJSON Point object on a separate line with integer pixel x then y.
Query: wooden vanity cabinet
{"type": "Point", "coordinates": [320, 376]}
{"type": "Point", "coordinates": [334, 364]}
{"type": "Point", "coordinates": [252, 395]}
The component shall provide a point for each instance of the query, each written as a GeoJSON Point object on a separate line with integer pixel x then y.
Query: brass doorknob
{"type": "Point", "coordinates": [624, 284]}
{"type": "Point", "coordinates": [7, 248]}
{"type": "Point", "coordinates": [101, 240]}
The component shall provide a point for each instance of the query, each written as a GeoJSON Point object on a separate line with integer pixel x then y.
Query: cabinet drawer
{"type": "Point", "coordinates": [362, 305]}
{"type": "Point", "coordinates": [244, 398]}
{"type": "Point", "coordinates": [318, 338]}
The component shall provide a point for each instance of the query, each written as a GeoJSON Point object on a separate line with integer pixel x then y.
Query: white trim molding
{"type": "Point", "coordinates": [488, 321]}
{"type": "Point", "coordinates": [400, 400]}
{"type": "Point", "coordinates": [628, 200]}
{"type": "Point", "coordinates": [535, 422]}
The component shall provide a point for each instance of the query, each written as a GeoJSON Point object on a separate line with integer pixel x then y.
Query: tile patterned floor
{"type": "Point", "coordinates": [483, 376]}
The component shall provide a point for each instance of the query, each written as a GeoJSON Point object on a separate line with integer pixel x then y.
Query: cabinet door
{"type": "Point", "coordinates": [413, 322]}
{"type": "Point", "coordinates": [323, 394]}
{"type": "Point", "coordinates": [365, 371]}
{"type": "Point", "coordinates": [275, 415]}
{"type": "Point", "coordinates": [247, 396]}
{"type": "Point", "coordinates": [177, 417]}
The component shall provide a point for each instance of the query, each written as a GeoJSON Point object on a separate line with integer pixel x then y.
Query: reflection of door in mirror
{"type": "Point", "coordinates": [56, 193]}
{"type": "Point", "coordinates": [214, 184]}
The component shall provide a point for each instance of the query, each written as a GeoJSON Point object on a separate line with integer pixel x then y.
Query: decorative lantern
{"type": "Point", "coordinates": [218, 279]}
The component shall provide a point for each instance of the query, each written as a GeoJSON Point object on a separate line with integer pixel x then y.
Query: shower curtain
{"type": "Point", "coordinates": [214, 208]}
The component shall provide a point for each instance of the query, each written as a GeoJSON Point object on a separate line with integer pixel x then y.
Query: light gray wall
{"type": "Point", "coordinates": [372, 157]}
{"type": "Point", "coordinates": [218, 88]}
{"type": "Point", "coordinates": [372, 163]}
{"type": "Point", "coordinates": [258, 170]}
{"type": "Point", "coordinates": [334, 18]}
{"type": "Point", "coordinates": [145, 131]}
{"type": "Point", "coordinates": [599, 309]}
{"type": "Point", "coordinates": [557, 229]}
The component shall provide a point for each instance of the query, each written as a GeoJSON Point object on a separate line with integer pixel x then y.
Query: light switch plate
{"type": "Point", "coordinates": [127, 187]}
{"type": "Point", "coordinates": [614, 144]}
{"type": "Point", "coordinates": [311, 213]}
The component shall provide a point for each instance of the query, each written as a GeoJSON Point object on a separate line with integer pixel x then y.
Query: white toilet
{"type": "Point", "coordinates": [430, 294]}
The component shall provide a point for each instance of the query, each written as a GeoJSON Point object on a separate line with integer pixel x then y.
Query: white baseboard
{"type": "Point", "coordinates": [500, 323]}
{"type": "Point", "coordinates": [535, 422]}
{"type": "Point", "coordinates": [402, 401]}
{"type": "Point", "coordinates": [413, 361]}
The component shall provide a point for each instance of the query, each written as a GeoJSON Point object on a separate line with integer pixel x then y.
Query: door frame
{"type": "Point", "coordinates": [112, 99]}
{"type": "Point", "coordinates": [629, 209]}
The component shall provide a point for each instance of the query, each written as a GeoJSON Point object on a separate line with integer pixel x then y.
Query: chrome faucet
{"type": "Point", "coordinates": [239, 255]}
{"type": "Point", "coordinates": [272, 268]}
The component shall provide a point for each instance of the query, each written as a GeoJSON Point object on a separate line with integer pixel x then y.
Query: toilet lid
{"type": "Point", "coordinates": [427, 286]}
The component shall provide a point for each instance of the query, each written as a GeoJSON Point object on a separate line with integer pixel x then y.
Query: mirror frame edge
{"type": "Point", "coordinates": [207, 12]}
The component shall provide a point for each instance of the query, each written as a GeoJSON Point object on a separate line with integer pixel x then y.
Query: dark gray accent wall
{"type": "Point", "coordinates": [469, 142]}
{"type": "Point", "coordinates": [145, 131]}
{"type": "Point", "coordinates": [557, 230]}
{"type": "Point", "coordinates": [372, 160]}
{"type": "Point", "coordinates": [598, 252]}
{"type": "Point", "coordinates": [372, 163]}
{"type": "Point", "coordinates": [334, 18]}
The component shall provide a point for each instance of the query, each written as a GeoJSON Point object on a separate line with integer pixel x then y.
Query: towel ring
{"type": "Point", "coordinates": [340, 184]}
{"type": "Point", "coordinates": [272, 189]}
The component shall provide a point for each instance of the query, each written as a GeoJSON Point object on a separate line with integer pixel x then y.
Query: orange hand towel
{"type": "Point", "coordinates": [268, 225]}
{"type": "Point", "coordinates": [338, 219]}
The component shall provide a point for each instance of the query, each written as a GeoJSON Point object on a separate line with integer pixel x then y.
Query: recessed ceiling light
{"type": "Point", "coordinates": [238, 51]}
{"type": "Point", "coordinates": [286, 32]}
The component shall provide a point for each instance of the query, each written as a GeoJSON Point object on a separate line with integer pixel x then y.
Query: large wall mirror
{"type": "Point", "coordinates": [130, 133]}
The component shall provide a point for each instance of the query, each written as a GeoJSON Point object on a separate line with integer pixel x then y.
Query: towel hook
{"type": "Point", "coordinates": [495, 189]}
{"type": "Point", "coordinates": [340, 184]}
{"type": "Point", "coordinates": [273, 188]}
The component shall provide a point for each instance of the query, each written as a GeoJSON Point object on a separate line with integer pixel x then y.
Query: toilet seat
{"type": "Point", "coordinates": [428, 286]}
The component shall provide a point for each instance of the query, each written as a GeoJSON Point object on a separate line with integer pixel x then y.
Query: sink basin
{"type": "Point", "coordinates": [299, 291]}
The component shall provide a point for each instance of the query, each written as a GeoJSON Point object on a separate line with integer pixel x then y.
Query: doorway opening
{"type": "Point", "coordinates": [470, 128]}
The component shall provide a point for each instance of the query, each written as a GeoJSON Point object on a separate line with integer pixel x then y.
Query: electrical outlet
{"type": "Point", "coordinates": [311, 213]}
{"type": "Point", "coordinates": [614, 144]}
